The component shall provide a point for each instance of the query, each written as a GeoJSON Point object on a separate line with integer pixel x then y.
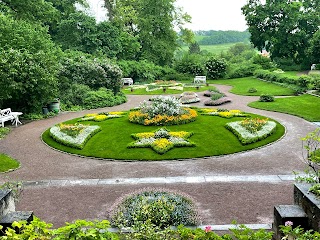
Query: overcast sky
{"type": "Point", "coordinates": [206, 14]}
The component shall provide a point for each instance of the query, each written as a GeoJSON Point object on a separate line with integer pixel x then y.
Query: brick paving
{"type": "Point", "coordinates": [221, 202]}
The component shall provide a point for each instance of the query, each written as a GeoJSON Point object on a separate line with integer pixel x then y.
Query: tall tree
{"type": "Point", "coordinates": [152, 23]}
{"type": "Point", "coordinates": [283, 27]}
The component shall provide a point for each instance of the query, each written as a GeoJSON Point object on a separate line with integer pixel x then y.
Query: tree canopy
{"type": "Point", "coordinates": [283, 27]}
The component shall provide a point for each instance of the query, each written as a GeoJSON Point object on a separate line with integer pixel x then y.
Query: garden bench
{"type": "Point", "coordinates": [128, 81]}
{"type": "Point", "coordinates": [8, 115]}
{"type": "Point", "coordinates": [5, 115]}
{"type": "Point", "coordinates": [200, 79]}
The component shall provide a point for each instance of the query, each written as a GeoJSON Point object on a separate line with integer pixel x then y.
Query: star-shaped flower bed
{"type": "Point", "coordinates": [162, 140]}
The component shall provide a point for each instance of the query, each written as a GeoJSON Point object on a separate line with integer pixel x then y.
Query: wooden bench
{"type": "Point", "coordinates": [200, 79]}
{"type": "Point", "coordinates": [5, 115]}
{"type": "Point", "coordinates": [128, 81]}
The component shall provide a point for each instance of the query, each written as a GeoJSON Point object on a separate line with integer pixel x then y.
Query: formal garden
{"type": "Point", "coordinates": [150, 133]}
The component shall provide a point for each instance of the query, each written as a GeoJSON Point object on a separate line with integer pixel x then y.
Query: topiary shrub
{"type": "Point", "coordinates": [160, 207]}
{"type": "Point", "coordinates": [252, 90]}
{"type": "Point", "coordinates": [266, 98]}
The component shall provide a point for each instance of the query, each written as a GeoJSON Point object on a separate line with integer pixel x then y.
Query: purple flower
{"type": "Point", "coordinates": [288, 223]}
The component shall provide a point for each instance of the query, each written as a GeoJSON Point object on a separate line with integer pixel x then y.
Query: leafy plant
{"type": "Point", "coordinates": [252, 90]}
{"type": "Point", "coordinates": [161, 208]}
{"type": "Point", "coordinates": [4, 131]}
{"type": "Point", "coordinates": [266, 98]}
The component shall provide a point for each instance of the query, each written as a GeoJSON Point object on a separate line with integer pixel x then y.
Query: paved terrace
{"type": "Point", "coordinates": [245, 186]}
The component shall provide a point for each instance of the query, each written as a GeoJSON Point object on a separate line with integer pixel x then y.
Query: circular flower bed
{"type": "Point", "coordinates": [161, 207]}
{"type": "Point", "coordinates": [162, 111]}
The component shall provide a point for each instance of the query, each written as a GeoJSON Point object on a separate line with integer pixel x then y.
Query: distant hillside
{"type": "Point", "coordinates": [213, 37]}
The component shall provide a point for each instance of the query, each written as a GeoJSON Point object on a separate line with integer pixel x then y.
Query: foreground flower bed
{"type": "Point", "coordinates": [159, 207]}
{"type": "Point", "coordinates": [83, 229]}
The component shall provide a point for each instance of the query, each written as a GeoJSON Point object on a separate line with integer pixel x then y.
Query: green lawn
{"type": "Point", "coordinates": [242, 85]}
{"type": "Point", "coordinates": [210, 136]}
{"type": "Point", "coordinates": [7, 163]}
{"type": "Point", "coordinates": [168, 91]}
{"type": "Point", "coordinates": [305, 106]}
{"type": "Point", "coordinates": [215, 49]}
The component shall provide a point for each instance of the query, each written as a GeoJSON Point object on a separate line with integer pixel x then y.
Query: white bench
{"type": "Point", "coordinates": [200, 79]}
{"type": "Point", "coordinates": [5, 115]}
{"type": "Point", "coordinates": [128, 81]}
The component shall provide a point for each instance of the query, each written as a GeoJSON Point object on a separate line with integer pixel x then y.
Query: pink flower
{"type": "Point", "coordinates": [288, 223]}
{"type": "Point", "coordinates": [207, 229]}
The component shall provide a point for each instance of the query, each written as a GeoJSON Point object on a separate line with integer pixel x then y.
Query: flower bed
{"type": "Point", "coordinates": [220, 101]}
{"type": "Point", "coordinates": [162, 111]}
{"type": "Point", "coordinates": [74, 140]}
{"type": "Point", "coordinates": [247, 135]}
{"type": "Point", "coordinates": [225, 113]}
{"type": "Point", "coordinates": [99, 117]}
{"type": "Point", "coordinates": [162, 140]}
{"type": "Point", "coordinates": [189, 97]}
{"type": "Point", "coordinates": [159, 207]}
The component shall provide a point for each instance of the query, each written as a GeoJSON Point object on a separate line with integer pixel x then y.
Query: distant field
{"type": "Point", "coordinates": [215, 49]}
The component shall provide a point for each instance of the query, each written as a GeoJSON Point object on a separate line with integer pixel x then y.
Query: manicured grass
{"type": "Point", "coordinates": [7, 163]}
{"type": "Point", "coordinates": [304, 106]}
{"type": "Point", "coordinates": [242, 85]}
{"type": "Point", "coordinates": [210, 136]}
{"type": "Point", "coordinates": [167, 92]}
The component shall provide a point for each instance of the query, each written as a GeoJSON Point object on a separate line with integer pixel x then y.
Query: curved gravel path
{"type": "Point", "coordinates": [248, 202]}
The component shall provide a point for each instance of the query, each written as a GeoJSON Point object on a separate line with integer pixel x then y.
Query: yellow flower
{"type": "Point", "coordinates": [145, 135]}
{"type": "Point", "coordinates": [116, 113]}
{"type": "Point", "coordinates": [100, 118]}
{"type": "Point", "coordinates": [91, 114]}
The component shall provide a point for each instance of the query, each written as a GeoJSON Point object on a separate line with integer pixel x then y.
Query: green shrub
{"type": "Point", "coordinates": [252, 90]}
{"type": "Point", "coordinates": [4, 131]}
{"type": "Point", "coordinates": [216, 96]}
{"type": "Point", "coordinates": [266, 98]}
{"type": "Point", "coordinates": [160, 207]}
{"type": "Point", "coordinates": [242, 70]}
{"type": "Point", "coordinates": [191, 64]}
{"type": "Point", "coordinates": [102, 98]}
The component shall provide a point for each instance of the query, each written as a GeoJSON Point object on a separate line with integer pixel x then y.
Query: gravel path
{"type": "Point", "coordinates": [40, 162]}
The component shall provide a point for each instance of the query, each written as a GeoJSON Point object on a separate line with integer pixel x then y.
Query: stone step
{"type": "Point", "coordinates": [7, 220]}
{"type": "Point", "coordinates": [6, 202]}
{"type": "Point", "coordinates": [285, 213]}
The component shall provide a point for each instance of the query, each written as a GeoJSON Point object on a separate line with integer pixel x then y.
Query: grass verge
{"type": "Point", "coordinates": [242, 85]}
{"type": "Point", "coordinates": [210, 136]}
{"type": "Point", "coordinates": [304, 106]}
{"type": "Point", "coordinates": [7, 163]}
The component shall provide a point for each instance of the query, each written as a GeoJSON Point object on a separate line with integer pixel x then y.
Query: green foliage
{"type": "Point", "coordinates": [212, 37]}
{"type": "Point", "coordinates": [314, 49]}
{"type": "Point", "coordinates": [264, 62]}
{"type": "Point", "coordinates": [298, 232]}
{"type": "Point", "coordinates": [242, 232]}
{"type": "Point", "coordinates": [78, 68]}
{"type": "Point", "coordinates": [3, 132]}
{"type": "Point", "coordinates": [252, 90]}
{"type": "Point", "coordinates": [102, 98]}
{"type": "Point", "coordinates": [191, 64]}
{"type": "Point", "coordinates": [159, 207]}
{"type": "Point", "coordinates": [194, 48]}
{"type": "Point", "coordinates": [216, 68]}
{"type": "Point", "coordinates": [30, 60]}
{"type": "Point", "coordinates": [266, 98]}
{"type": "Point", "coordinates": [8, 163]}
{"type": "Point", "coordinates": [16, 187]}
{"type": "Point", "coordinates": [283, 28]}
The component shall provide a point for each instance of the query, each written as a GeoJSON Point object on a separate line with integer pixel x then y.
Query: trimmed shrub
{"type": "Point", "coordinates": [161, 208]}
{"type": "Point", "coordinates": [102, 98]}
{"type": "Point", "coordinates": [242, 70]}
{"type": "Point", "coordinates": [266, 98]}
{"type": "Point", "coordinates": [252, 90]}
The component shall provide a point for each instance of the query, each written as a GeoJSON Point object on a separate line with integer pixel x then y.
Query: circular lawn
{"type": "Point", "coordinates": [209, 135]}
